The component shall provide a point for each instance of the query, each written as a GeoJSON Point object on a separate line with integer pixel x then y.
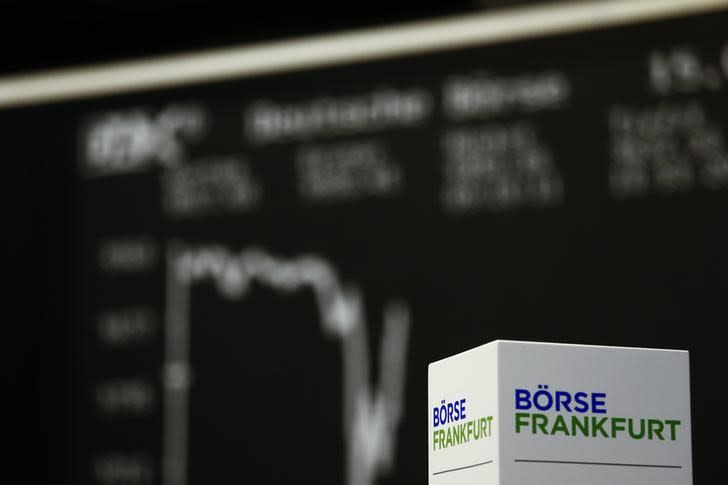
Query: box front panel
{"type": "Point", "coordinates": [597, 415]}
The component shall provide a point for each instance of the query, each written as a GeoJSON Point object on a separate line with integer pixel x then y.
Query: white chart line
{"type": "Point", "coordinates": [371, 416]}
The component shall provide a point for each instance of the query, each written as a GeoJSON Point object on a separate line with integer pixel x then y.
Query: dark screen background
{"type": "Point", "coordinates": [589, 265]}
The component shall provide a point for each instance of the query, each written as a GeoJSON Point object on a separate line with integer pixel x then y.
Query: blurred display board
{"type": "Point", "coordinates": [245, 268]}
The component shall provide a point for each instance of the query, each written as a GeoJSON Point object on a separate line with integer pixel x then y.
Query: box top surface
{"type": "Point", "coordinates": [495, 343]}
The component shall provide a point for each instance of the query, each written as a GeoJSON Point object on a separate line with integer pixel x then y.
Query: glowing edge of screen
{"type": "Point", "coordinates": [338, 48]}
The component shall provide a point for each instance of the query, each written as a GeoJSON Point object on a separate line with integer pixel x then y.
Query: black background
{"type": "Point", "coordinates": [39, 35]}
{"type": "Point", "coordinates": [646, 272]}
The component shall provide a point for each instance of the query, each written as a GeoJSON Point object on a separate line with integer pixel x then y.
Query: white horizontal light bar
{"type": "Point", "coordinates": [340, 48]}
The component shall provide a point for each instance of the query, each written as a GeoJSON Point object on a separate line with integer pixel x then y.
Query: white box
{"type": "Point", "coordinates": [601, 416]}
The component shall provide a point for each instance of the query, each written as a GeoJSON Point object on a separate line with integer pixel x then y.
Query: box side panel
{"type": "Point", "coordinates": [687, 432]}
{"type": "Point", "coordinates": [630, 424]}
{"type": "Point", "coordinates": [462, 406]}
